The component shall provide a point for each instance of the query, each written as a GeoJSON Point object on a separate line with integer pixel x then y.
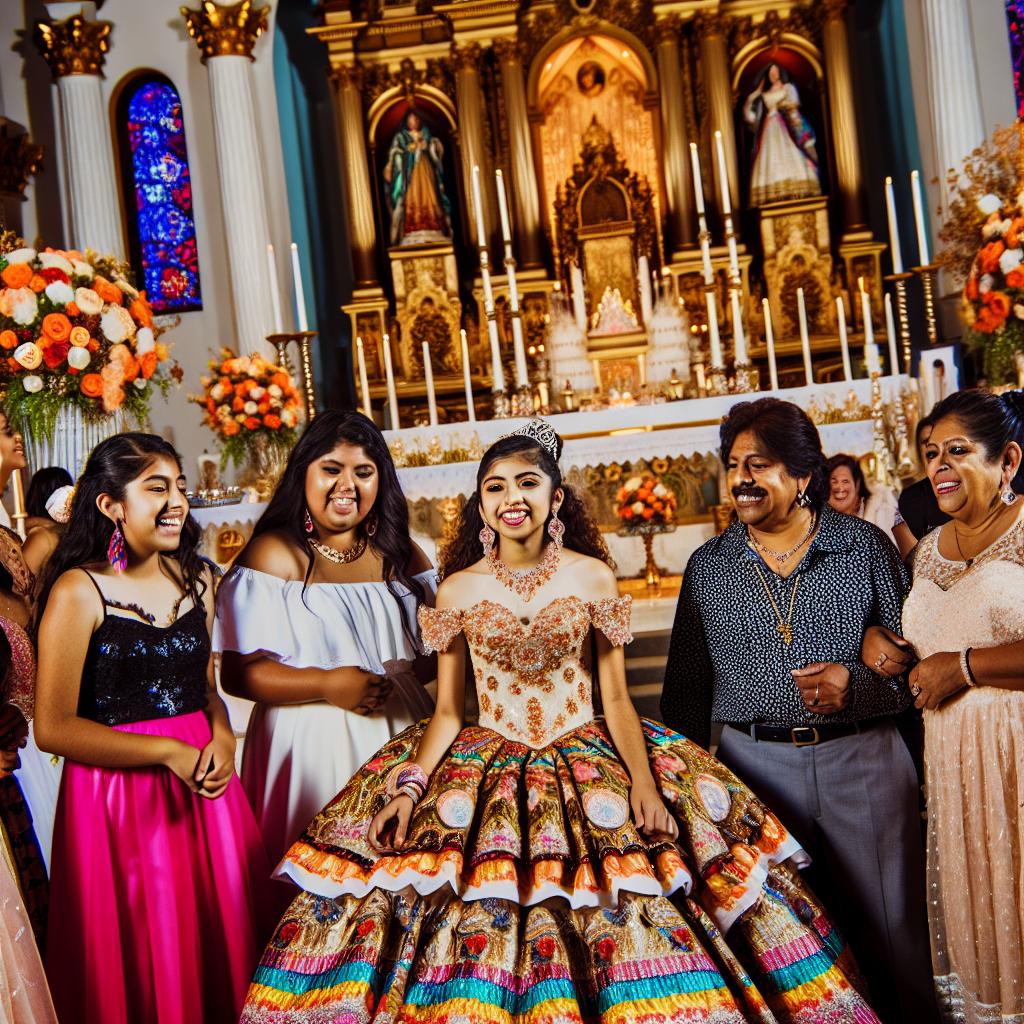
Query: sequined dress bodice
{"type": "Point", "coordinates": [135, 671]}
{"type": "Point", "coordinates": [532, 683]}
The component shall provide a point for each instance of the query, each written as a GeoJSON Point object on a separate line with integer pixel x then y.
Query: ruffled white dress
{"type": "Point", "coordinates": [297, 757]}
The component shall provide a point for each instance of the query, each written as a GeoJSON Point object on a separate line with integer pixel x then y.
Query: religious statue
{"type": "Point", "coordinates": [785, 156]}
{"type": "Point", "coordinates": [414, 184]}
{"type": "Point", "coordinates": [590, 79]}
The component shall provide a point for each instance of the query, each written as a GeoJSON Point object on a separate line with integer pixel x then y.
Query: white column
{"type": "Point", "coordinates": [92, 184]}
{"type": "Point", "coordinates": [243, 198]}
{"type": "Point", "coordinates": [953, 95]}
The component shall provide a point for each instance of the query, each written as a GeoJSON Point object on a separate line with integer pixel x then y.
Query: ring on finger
{"type": "Point", "coordinates": [814, 699]}
{"type": "Point", "coordinates": [881, 659]}
{"type": "Point", "coordinates": [915, 690]}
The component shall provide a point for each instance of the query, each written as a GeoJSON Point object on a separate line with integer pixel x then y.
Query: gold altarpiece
{"type": "Point", "coordinates": [518, 85]}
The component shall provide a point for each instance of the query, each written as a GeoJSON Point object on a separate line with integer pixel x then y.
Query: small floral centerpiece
{"type": "Point", "coordinates": [252, 405]}
{"type": "Point", "coordinates": [984, 233]}
{"type": "Point", "coordinates": [643, 501]}
{"type": "Point", "coordinates": [75, 334]}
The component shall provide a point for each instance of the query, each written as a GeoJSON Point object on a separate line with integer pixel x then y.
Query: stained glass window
{"type": "Point", "coordinates": [158, 188]}
{"type": "Point", "coordinates": [1015, 23]}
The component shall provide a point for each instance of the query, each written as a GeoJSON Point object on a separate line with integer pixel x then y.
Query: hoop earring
{"type": "Point", "coordinates": [556, 528]}
{"type": "Point", "coordinates": [307, 522]}
{"type": "Point", "coordinates": [371, 525]}
{"type": "Point", "coordinates": [117, 553]}
{"type": "Point", "coordinates": [1009, 496]}
{"type": "Point", "coordinates": [487, 538]}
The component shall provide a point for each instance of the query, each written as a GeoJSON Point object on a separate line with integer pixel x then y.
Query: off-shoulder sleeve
{"type": "Point", "coordinates": [611, 616]}
{"type": "Point", "coordinates": [438, 627]}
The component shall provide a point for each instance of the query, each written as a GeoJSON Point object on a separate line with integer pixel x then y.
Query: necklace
{"type": "Point", "coordinates": [336, 556]}
{"type": "Point", "coordinates": [525, 582]}
{"type": "Point", "coordinates": [781, 557]}
{"type": "Point", "coordinates": [972, 535]}
{"type": "Point", "coordinates": [783, 626]}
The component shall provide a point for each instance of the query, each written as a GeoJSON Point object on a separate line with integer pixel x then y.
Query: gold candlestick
{"type": "Point", "coordinates": [928, 273]}
{"type": "Point", "coordinates": [304, 340]}
{"type": "Point", "coordinates": [900, 284]}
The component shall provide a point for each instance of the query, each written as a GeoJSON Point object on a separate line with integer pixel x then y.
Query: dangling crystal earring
{"type": "Point", "coordinates": [556, 528]}
{"type": "Point", "coordinates": [117, 553]}
{"type": "Point", "coordinates": [802, 500]}
{"type": "Point", "coordinates": [307, 522]}
{"type": "Point", "coordinates": [1009, 496]}
{"type": "Point", "coordinates": [371, 525]}
{"type": "Point", "coordinates": [487, 538]}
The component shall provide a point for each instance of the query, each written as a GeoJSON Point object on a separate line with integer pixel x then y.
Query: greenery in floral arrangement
{"type": "Point", "coordinates": [252, 405]}
{"type": "Point", "coordinates": [984, 236]}
{"type": "Point", "coordinates": [74, 331]}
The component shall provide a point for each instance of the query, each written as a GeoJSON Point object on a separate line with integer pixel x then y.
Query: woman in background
{"type": "Point", "coordinates": [47, 505]}
{"type": "Point", "coordinates": [849, 493]}
{"type": "Point", "coordinates": [158, 874]}
{"type": "Point", "coordinates": [317, 624]}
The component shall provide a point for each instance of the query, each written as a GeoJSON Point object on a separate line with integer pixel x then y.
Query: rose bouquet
{"type": "Point", "coordinates": [645, 501]}
{"type": "Point", "coordinates": [251, 405]}
{"type": "Point", "coordinates": [984, 233]}
{"type": "Point", "coordinates": [75, 332]}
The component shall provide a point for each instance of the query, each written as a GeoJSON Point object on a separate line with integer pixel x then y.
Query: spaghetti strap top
{"type": "Point", "coordinates": [135, 671]}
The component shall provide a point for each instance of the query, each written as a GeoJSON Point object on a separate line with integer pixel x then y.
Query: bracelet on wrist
{"type": "Point", "coordinates": [965, 667]}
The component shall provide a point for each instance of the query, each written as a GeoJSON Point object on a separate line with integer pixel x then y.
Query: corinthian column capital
{"type": "Point", "coordinates": [831, 10]}
{"type": "Point", "coordinates": [226, 30]}
{"type": "Point", "coordinates": [73, 46]}
{"type": "Point", "coordinates": [348, 76]}
{"type": "Point", "coordinates": [710, 23]}
{"type": "Point", "coordinates": [508, 50]}
{"type": "Point", "coordinates": [667, 29]}
{"type": "Point", "coordinates": [466, 57]}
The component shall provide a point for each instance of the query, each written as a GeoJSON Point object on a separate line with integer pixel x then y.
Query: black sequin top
{"type": "Point", "coordinates": [134, 671]}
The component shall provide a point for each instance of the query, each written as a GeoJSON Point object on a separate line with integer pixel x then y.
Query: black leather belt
{"type": "Point", "coordinates": [798, 735]}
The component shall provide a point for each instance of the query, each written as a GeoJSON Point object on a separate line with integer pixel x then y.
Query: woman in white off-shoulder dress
{"type": "Point", "coordinates": [317, 624]}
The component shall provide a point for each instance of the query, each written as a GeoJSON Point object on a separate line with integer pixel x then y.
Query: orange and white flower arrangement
{"type": "Point", "coordinates": [75, 331]}
{"type": "Point", "coordinates": [643, 501]}
{"type": "Point", "coordinates": [248, 401]}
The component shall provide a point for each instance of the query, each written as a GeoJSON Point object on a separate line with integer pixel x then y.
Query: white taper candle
{"type": "Point", "coordinates": [844, 341]}
{"type": "Point", "coordinates": [890, 333]}
{"type": "Point", "coordinates": [478, 209]}
{"type": "Point", "coordinates": [389, 373]}
{"type": "Point", "coordinates": [917, 191]}
{"type": "Point", "coordinates": [364, 386]}
{"type": "Point", "coordinates": [805, 340]}
{"type": "Point", "coordinates": [739, 339]}
{"type": "Point", "coordinates": [714, 341]}
{"type": "Point", "coordinates": [428, 376]}
{"type": "Point", "coordinates": [300, 295]}
{"type": "Point", "coordinates": [723, 174]}
{"type": "Point", "coordinates": [275, 290]}
{"type": "Point", "coordinates": [894, 232]}
{"type": "Point", "coordinates": [467, 380]}
{"type": "Point", "coordinates": [506, 227]}
{"type": "Point", "coordinates": [769, 341]}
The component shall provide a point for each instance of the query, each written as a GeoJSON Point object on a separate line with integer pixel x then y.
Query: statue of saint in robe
{"type": "Point", "coordinates": [414, 184]}
{"type": "Point", "coordinates": [784, 163]}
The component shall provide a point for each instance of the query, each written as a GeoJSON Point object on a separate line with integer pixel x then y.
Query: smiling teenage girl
{"type": "Point", "coordinates": [157, 868]}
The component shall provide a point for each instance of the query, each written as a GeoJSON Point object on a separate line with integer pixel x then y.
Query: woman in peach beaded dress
{"type": "Point", "coordinates": [545, 864]}
{"type": "Point", "coordinates": [964, 620]}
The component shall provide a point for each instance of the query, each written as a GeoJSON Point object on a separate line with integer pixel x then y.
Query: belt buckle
{"type": "Point", "coordinates": [813, 741]}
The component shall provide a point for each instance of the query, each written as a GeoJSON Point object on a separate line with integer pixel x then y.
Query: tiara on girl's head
{"type": "Point", "coordinates": [543, 433]}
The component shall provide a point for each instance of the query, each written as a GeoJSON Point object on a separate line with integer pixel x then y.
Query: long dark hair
{"type": "Point", "coordinates": [863, 491]}
{"type": "Point", "coordinates": [287, 509]}
{"type": "Point", "coordinates": [44, 483]}
{"type": "Point", "coordinates": [581, 530]}
{"type": "Point", "coordinates": [788, 435]}
{"type": "Point", "coordinates": [991, 420]}
{"type": "Point", "coordinates": [113, 464]}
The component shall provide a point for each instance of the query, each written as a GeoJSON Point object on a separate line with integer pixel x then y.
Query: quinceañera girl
{"type": "Point", "coordinates": [519, 870]}
{"type": "Point", "coordinates": [317, 622]}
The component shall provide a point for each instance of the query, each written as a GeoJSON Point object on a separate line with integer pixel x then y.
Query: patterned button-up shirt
{"type": "Point", "coordinates": [728, 661]}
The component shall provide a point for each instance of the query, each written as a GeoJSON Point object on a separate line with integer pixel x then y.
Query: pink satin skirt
{"type": "Point", "coordinates": [158, 897]}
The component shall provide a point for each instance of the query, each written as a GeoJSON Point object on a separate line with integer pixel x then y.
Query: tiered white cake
{"type": "Point", "coordinates": [567, 351]}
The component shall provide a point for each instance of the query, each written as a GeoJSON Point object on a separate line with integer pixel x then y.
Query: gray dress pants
{"type": "Point", "coordinates": [852, 803]}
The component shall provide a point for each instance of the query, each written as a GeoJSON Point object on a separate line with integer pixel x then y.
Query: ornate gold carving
{"type": "Point", "coordinates": [20, 158]}
{"type": "Point", "coordinates": [348, 75]}
{"type": "Point", "coordinates": [378, 78]}
{"type": "Point", "coordinates": [600, 166]}
{"type": "Point", "coordinates": [832, 9]}
{"type": "Point", "coordinates": [799, 21]}
{"type": "Point", "coordinates": [711, 23]}
{"type": "Point", "coordinates": [508, 49]}
{"type": "Point", "coordinates": [537, 27]}
{"type": "Point", "coordinates": [668, 29]}
{"type": "Point", "coordinates": [73, 46]}
{"type": "Point", "coordinates": [226, 30]}
{"type": "Point", "coordinates": [466, 57]}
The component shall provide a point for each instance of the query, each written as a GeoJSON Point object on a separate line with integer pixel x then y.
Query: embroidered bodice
{"type": "Point", "coordinates": [953, 605]}
{"type": "Point", "coordinates": [532, 683]}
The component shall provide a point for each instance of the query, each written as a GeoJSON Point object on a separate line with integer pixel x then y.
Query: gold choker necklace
{"type": "Point", "coordinates": [782, 556]}
{"type": "Point", "coordinates": [525, 582]}
{"type": "Point", "coordinates": [336, 556]}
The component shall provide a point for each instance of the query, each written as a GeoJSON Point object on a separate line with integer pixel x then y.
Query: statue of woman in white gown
{"type": "Point", "coordinates": [785, 155]}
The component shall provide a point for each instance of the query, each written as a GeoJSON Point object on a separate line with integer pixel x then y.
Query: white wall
{"type": "Point", "coordinates": [152, 35]}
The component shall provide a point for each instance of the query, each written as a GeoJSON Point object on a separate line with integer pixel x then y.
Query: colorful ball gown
{"type": "Point", "coordinates": [525, 895]}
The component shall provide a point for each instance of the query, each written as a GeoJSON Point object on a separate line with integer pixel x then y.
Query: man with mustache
{"type": "Point", "coordinates": [767, 641]}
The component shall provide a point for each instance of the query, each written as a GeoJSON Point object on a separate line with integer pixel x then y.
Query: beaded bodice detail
{"type": "Point", "coordinates": [954, 605]}
{"type": "Point", "coordinates": [532, 683]}
{"type": "Point", "coordinates": [135, 671]}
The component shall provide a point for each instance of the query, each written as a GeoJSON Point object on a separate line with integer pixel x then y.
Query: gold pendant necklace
{"type": "Point", "coordinates": [525, 582]}
{"type": "Point", "coordinates": [783, 626]}
{"type": "Point", "coordinates": [336, 556]}
{"type": "Point", "coordinates": [782, 556]}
